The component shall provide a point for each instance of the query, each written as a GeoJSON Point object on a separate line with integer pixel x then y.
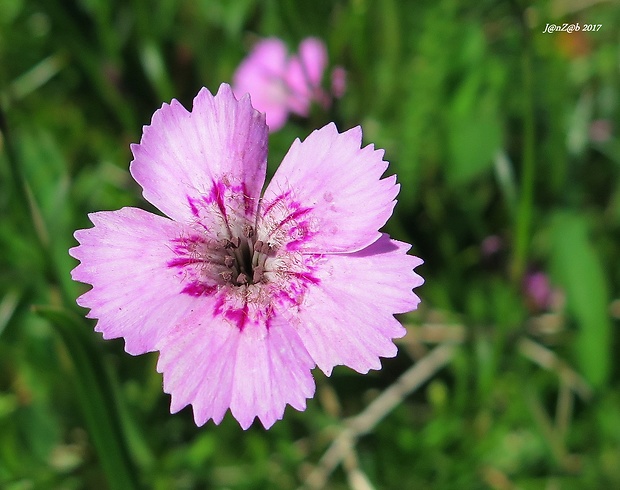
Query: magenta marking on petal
{"type": "Point", "coordinates": [185, 243]}
{"type": "Point", "coordinates": [184, 248]}
{"type": "Point", "coordinates": [192, 206]}
{"type": "Point", "coordinates": [294, 215]}
{"type": "Point", "coordinates": [184, 261]}
{"type": "Point", "coordinates": [300, 234]}
{"type": "Point", "coordinates": [273, 203]}
{"type": "Point", "coordinates": [223, 193]}
{"type": "Point", "coordinates": [218, 193]}
{"type": "Point", "coordinates": [306, 276]}
{"type": "Point", "coordinates": [297, 230]}
{"type": "Point", "coordinates": [197, 288]}
{"type": "Point", "coordinates": [239, 316]}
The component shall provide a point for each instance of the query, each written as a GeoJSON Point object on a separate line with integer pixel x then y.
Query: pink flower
{"type": "Point", "coordinates": [539, 293]}
{"type": "Point", "coordinates": [339, 81]}
{"type": "Point", "coordinates": [280, 84]}
{"type": "Point", "coordinates": [601, 130]}
{"type": "Point", "coordinates": [242, 295]}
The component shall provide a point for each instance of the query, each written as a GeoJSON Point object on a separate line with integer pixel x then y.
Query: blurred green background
{"type": "Point", "coordinates": [505, 141]}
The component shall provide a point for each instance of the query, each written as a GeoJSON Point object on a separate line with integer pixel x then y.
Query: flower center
{"type": "Point", "coordinates": [244, 258]}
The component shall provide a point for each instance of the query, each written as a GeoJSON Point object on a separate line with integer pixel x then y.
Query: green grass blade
{"type": "Point", "coordinates": [95, 397]}
{"type": "Point", "coordinates": [579, 271]}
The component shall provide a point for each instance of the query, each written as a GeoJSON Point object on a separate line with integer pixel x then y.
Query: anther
{"type": "Point", "coordinates": [258, 274]}
{"type": "Point", "coordinates": [242, 279]}
{"type": "Point", "coordinates": [229, 261]}
{"type": "Point", "coordinates": [248, 231]}
{"type": "Point", "coordinates": [258, 246]}
{"type": "Point", "coordinates": [232, 243]}
{"type": "Point", "coordinates": [226, 275]}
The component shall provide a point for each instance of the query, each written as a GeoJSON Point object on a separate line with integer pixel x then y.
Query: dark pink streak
{"type": "Point", "coordinates": [184, 244]}
{"type": "Point", "coordinates": [235, 192]}
{"type": "Point", "coordinates": [197, 288]}
{"type": "Point", "coordinates": [278, 199]}
{"type": "Point", "coordinates": [184, 248]}
{"type": "Point", "coordinates": [192, 205]}
{"type": "Point", "coordinates": [217, 195]}
{"type": "Point", "coordinates": [184, 261]}
{"type": "Point", "coordinates": [238, 316]}
{"type": "Point", "coordinates": [298, 213]}
{"type": "Point", "coordinates": [307, 277]}
{"type": "Point", "coordinates": [305, 235]}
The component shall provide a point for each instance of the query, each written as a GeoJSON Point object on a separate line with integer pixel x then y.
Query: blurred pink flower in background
{"type": "Point", "coordinates": [280, 84]}
{"type": "Point", "coordinates": [491, 245]}
{"type": "Point", "coordinates": [539, 293]}
{"type": "Point", "coordinates": [601, 130]}
{"type": "Point", "coordinates": [339, 81]}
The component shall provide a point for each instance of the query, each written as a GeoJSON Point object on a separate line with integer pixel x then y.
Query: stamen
{"type": "Point", "coordinates": [243, 258]}
{"type": "Point", "coordinates": [232, 243]}
{"type": "Point", "coordinates": [248, 231]}
{"type": "Point", "coordinates": [258, 274]}
{"type": "Point", "coordinates": [258, 246]}
{"type": "Point", "coordinates": [266, 249]}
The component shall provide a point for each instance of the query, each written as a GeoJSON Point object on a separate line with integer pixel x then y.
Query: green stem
{"type": "Point", "coordinates": [526, 191]}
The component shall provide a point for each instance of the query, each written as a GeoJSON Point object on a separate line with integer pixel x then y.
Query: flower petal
{"type": "Point", "coordinates": [347, 318]}
{"type": "Point", "coordinates": [185, 157]}
{"type": "Point", "coordinates": [135, 294]}
{"type": "Point", "coordinates": [313, 55]}
{"type": "Point", "coordinates": [328, 195]}
{"type": "Point", "coordinates": [304, 74]}
{"type": "Point", "coordinates": [212, 364]}
{"type": "Point", "coordinates": [261, 75]}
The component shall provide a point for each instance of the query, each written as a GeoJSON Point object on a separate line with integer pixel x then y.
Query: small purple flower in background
{"type": "Point", "coordinates": [492, 252]}
{"type": "Point", "coordinates": [243, 295]}
{"type": "Point", "coordinates": [601, 130]}
{"type": "Point", "coordinates": [539, 293]}
{"type": "Point", "coordinates": [491, 246]}
{"type": "Point", "coordinates": [280, 84]}
{"type": "Point", "coordinates": [339, 81]}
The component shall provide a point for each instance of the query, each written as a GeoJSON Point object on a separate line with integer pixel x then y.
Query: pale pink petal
{"type": "Point", "coordinates": [275, 115]}
{"type": "Point", "coordinates": [327, 195]}
{"type": "Point", "coordinates": [347, 318]}
{"type": "Point", "coordinates": [209, 362]}
{"type": "Point", "coordinates": [186, 158]}
{"type": "Point", "coordinates": [261, 75]}
{"type": "Point", "coordinates": [304, 74]}
{"type": "Point", "coordinates": [313, 56]}
{"type": "Point", "coordinates": [272, 369]}
{"type": "Point", "coordinates": [135, 294]}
